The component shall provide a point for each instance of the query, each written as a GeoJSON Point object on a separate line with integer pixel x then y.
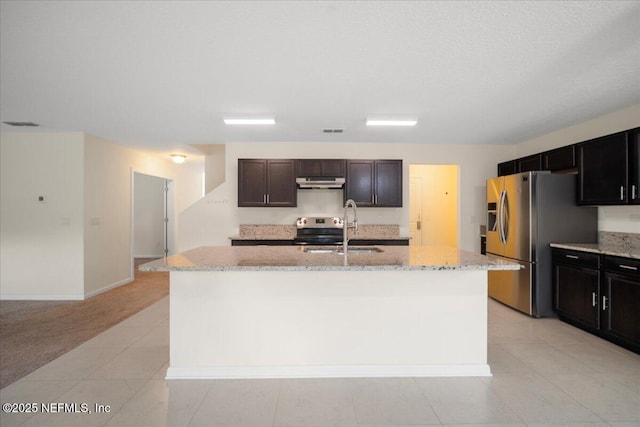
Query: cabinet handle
{"type": "Point", "coordinates": [372, 200]}
{"type": "Point", "coordinates": [376, 199]}
{"type": "Point", "coordinates": [594, 299]}
{"type": "Point", "coordinates": [628, 267]}
{"type": "Point", "coordinates": [622, 192]}
{"type": "Point", "coordinates": [633, 192]}
{"type": "Point", "coordinates": [572, 256]}
{"type": "Point", "coordinates": [264, 199]}
{"type": "Point", "coordinates": [268, 198]}
{"type": "Point", "coordinates": [604, 303]}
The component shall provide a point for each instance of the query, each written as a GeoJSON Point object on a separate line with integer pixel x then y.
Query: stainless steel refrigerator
{"type": "Point", "coordinates": [525, 213]}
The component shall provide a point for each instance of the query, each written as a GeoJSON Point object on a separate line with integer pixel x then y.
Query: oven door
{"type": "Point", "coordinates": [318, 240]}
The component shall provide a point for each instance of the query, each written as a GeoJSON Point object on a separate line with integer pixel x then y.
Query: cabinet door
{"type": "Point", "coordinates": [333, 168]}
{"type": "Point", "coordinates": [603, 171]}
{"type": "Point", "coordinates": [309, 168]}
{"type": "Point", "coordinates": [634, 166]}
{"type": "Point", "coordinates": [507, 168]}
{"type": "Point", "coordinates": [621, 315]}
{"type": "Point", "coordinates": [531, 163]}
{"type": "Point", "coordinates": [559, 159]}
{"type": "Point", "coordinates": [576, 294]}
{"type": "Point", "coordinates": [252, 182]}
{"type": "Point", "coordinates": [281, 183]}
{"type": "Point", "coordinates": [388, 180]}
{"type": "Point", "coordinates": [326, 168]}
{"type": "Point", "coordinates": [360, 182]}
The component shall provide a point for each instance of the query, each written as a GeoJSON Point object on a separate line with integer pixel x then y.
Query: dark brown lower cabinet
{"type": "Point", "coordinates": [600, 294]}
{"type": "Point", "coordinates": [621, 303]}
{"type": "Point", "coordinates": [576, 294]}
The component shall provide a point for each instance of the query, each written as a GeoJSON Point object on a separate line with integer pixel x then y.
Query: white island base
{"type": "Point", "coordinates": [305, 324]}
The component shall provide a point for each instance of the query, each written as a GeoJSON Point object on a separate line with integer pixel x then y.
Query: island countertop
{"type": "Point", "coordinates": [293, 258]}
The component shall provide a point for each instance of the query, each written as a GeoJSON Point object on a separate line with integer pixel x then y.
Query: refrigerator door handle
{"type": "Point", "coordinates": [503, 216]}
{"type": "Point", "coordinates": [505, 210]}
{"type": "Point", "coordinates": [500, 219]}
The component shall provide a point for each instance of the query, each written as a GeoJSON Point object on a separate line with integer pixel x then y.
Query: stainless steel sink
{"type": "Point", "coordinates": [361, 250]}
{"type": "Point", "coordinates": [338, 250]}
{"type": "Point", "coordinates": [312, 250]}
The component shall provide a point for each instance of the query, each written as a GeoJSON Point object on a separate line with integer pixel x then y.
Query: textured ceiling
{"type": "Point", "coordinates": [163, 74]}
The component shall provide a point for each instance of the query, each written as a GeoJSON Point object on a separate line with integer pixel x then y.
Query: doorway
{"type": "Point", "coordinates": [433, 205]}
{"type": "Point", "coordinates": [152, 229]}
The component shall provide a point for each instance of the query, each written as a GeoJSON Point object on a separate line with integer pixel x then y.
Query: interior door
{"type": "Point", "coordinates": [494, 191]}
{"type": "Point", "coordinates": [415, 210]}
{"type": "Point", "coordinates": [517, 215]}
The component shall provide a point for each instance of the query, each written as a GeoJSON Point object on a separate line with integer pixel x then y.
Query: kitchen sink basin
{"type": "Point", "coordinates": [359, 250]}
{"type": "Point", "coordinates": [355, 250]}
{"type": "Point", "coordinates": [320, 250]}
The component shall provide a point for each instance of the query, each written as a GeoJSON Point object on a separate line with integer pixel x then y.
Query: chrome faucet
{"type": "Point", "coordinates": [346, 226]}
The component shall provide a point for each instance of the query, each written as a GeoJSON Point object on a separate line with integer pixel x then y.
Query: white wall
{"type": "Point", "coordinates": [216, 217]}
{"type": "Point", "coordinates": [78, 243]}
{"type": "Point", "coordinates": [610, 218]}
{"type": "Point", "coordinates": [148, 216]}
{"type": "Point", "coordinates": [108, 196]}
{"type": "Point", "coordinates": [41, 248]}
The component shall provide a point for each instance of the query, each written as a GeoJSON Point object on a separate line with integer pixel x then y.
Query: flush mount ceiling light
{"type": "Point", "coordinates": [391, 121]}
{"type": "Point", "coordinates": [249, 120]}
{"type": "Point", "coordinates": [178, 158]}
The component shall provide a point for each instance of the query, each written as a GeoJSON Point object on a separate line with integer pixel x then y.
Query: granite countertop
{"type": "Point", "coordinates": [601, 248]}
{"type": "Point", "coordinates": [609, 243]}
{"type": "Point", "coordinates": [351, 236]}
{"type": "Point", "coordinates": [288, 258]}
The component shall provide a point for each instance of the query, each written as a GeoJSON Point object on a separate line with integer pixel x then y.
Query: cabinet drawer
{"type": "Point", "coordinates": [627, 266]}
{"type": "Point", "coordinates": [585, 259]}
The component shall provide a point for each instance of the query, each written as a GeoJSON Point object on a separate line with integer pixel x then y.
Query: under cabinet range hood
{"type": "Point", "coordinates": [320, 183]}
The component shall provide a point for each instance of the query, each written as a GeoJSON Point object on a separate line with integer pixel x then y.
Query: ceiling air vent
{"type": "Point", "coordinates": [22, 124]}
{"type": "Point", "coordinates": [327, 130]}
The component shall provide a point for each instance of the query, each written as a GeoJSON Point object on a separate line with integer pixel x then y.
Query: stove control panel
{"type": "Point", "coordinates": [319, 222]}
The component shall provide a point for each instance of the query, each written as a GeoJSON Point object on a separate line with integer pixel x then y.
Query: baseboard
{"type": "Point", "coordinates": [56, 297]}
{"type": "Point", "coordinates": [346, 371]}
{"type": "Point", "coordinates": [108, 288]}
{"type": "Point", "coordinates": [41, 297]}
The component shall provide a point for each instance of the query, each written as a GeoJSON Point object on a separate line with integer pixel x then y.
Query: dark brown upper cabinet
{"type": "Point", "coordinates": [507, 168]}
{"type": "Point", "coordinates": [559, 159]}
{"type": "Point", "coordinates": [267, 183]}
{"type": "Point", "coordinates": [634, 166]}
{"type": "Point", "coordinates": [321, 168]}
{"type": "Point", "coordinates": [608, 169]}
{"type": "Point", "coordinates": [374, 183]}
{"type": "Point", "coordinates": [530, 163]}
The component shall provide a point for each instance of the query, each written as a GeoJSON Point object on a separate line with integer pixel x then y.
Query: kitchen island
{"type": "Point", "coordinates": [277, 312]}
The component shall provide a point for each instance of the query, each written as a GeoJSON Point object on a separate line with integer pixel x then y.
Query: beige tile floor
{"type": "Point", "coordinates": [545, 373]}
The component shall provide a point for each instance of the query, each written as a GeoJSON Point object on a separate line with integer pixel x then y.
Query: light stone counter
{"type": "Point", "coordinates": [610, 243]}
{"type": "Point", "coordinates": [293, 258]}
